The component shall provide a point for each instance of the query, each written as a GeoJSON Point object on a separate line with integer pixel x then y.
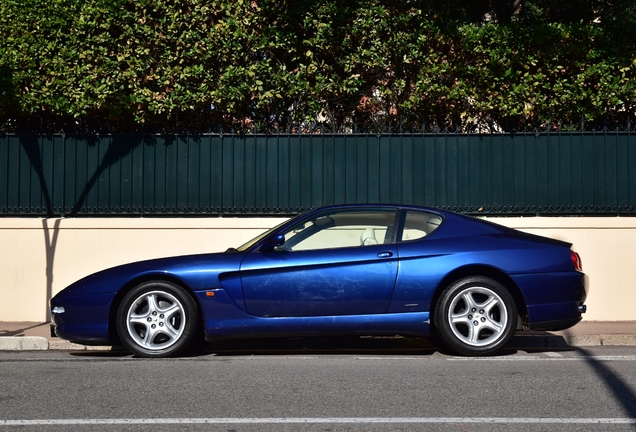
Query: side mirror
{"type": "Point", "coordinates": [273, 242]}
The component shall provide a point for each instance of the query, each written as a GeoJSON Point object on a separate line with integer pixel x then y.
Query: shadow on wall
{"type": "Point", "coordinates": [33, 148]}
{"type": "Point", "coordinates": [50, 244]}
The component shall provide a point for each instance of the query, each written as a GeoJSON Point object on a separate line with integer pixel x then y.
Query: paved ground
{"type": "Point", "coordinates": [571, 389]}
{"type": "Point", "coordinates": [23, 336]}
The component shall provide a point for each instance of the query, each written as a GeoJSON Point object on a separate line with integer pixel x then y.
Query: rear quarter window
{"type": "Point", "coordinates": [419, 224]}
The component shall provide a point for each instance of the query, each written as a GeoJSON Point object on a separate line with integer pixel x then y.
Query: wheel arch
{"type": "Point", "coordinates": [113, 336]}
{"type": "Point", "coordinates": [485, 271]}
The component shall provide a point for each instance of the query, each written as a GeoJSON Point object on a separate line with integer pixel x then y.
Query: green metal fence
{"type": "Point", "coordinates": [172, 175]}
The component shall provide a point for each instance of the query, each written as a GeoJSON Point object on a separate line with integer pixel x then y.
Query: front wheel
{"type": "Point", "coordinates": [475, 316]}
{"type": "Point", "coordinates": [157, 319]}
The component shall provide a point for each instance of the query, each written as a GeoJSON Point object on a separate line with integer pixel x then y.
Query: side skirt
{"type": "Point", "coordinates": [224, 320]}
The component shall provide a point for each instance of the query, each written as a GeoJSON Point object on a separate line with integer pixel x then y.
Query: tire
{"type": "Point", "coordinates": [157, 319]}
{"type": "Point", "coordinates": [475, 316]}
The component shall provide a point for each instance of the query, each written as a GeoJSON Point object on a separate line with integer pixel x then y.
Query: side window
{"type": "Point", "coordinates": [419, 224]}
{"type": "Point", "coordinates": [341, 229]}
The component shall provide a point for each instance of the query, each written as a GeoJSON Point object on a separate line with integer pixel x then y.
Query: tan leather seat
{"type": "Point", "coordinates": [368, 237]}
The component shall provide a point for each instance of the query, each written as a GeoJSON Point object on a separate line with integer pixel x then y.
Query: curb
{"type": "Point", "coordinates": [24, 343]}
{"type": "Point", "coordinates": [38, 343]}
{"type": "Point", "coordinates": [62, 345]}
{"type": "Point", "coordinates": [619, 340]}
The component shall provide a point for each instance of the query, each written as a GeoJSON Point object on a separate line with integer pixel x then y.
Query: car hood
{"type": "Point", "coordinates": [199, 272]}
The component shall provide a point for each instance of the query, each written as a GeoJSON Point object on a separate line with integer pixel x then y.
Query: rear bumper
{"type": "Point", "coordinates": [555, 325]}
{"type": "Point", "coordinates": [553, 300]}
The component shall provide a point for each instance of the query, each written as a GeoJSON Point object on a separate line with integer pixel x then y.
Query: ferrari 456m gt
{"type": "Point", "coordinates": [341, 270]}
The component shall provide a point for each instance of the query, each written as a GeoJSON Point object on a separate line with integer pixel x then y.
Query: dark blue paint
{"type": "Point", "coordinates": [348, 281]}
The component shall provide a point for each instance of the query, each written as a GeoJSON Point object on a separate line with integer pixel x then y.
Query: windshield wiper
{"type": "Point", "coordinates": [231, 250]}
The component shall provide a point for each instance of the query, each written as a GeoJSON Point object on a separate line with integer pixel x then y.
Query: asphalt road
{"type": "Point", "coordinates": [571, 390]}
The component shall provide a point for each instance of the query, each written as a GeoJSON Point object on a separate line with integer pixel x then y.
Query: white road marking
{"type": "Point", "coordinates": [608, 358]}
{"type": "Point", "coordinates": [325, 420]}
{"type": "Point", "coordinates": [392, 358]}
{"type": "Point", "coordinates": [499, 358]}
{"type": "Point", "coordinates": [534, 358]}
{"type": "Point", "coordinates": [550, 356]}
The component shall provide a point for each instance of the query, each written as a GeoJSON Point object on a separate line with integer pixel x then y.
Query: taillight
{"type": "Point", "coordinates": [576, 261]}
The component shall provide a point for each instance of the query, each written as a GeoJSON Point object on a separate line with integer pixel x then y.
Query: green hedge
{"type": "Point", "coordinates": [285, 63]}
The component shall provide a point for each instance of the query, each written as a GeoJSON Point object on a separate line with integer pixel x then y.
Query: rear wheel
{"type": "Point", "coordinates": [157, 319]}
{"type": "Point", "coordinates": [475, 316]}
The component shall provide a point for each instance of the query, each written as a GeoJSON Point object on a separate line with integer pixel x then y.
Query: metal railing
{"type": "Point", "coordinates": [554, 170]}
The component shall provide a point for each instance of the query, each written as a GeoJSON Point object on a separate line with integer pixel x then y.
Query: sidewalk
{"type": "Point", "coordinates": [25, 336]}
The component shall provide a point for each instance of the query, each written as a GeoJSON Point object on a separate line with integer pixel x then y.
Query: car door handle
{"type": "Point", "coordinates": [386, 254]}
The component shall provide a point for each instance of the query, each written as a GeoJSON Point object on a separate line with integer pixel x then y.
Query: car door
{"type": "Point", "coordinates": [421, 258]}
{"type": "Point", "coordinates": [337, 263]}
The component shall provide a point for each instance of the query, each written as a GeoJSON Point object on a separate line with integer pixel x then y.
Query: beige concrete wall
{"type": "Point", "coordinates": [41, 256]}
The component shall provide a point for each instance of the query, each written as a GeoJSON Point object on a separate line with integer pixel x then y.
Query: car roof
{"type": "Point", "coordinates": [381, 206]}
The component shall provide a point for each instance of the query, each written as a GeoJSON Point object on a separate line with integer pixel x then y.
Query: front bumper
{"type": "Point", "coordinates": [81, 318]}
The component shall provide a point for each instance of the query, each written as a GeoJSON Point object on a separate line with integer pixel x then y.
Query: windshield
{"type": "Point", "coordinates": [256, 239]}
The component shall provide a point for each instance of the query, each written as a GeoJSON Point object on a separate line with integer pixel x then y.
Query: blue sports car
{"type": "Point", "coordinates": [340, 270]}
